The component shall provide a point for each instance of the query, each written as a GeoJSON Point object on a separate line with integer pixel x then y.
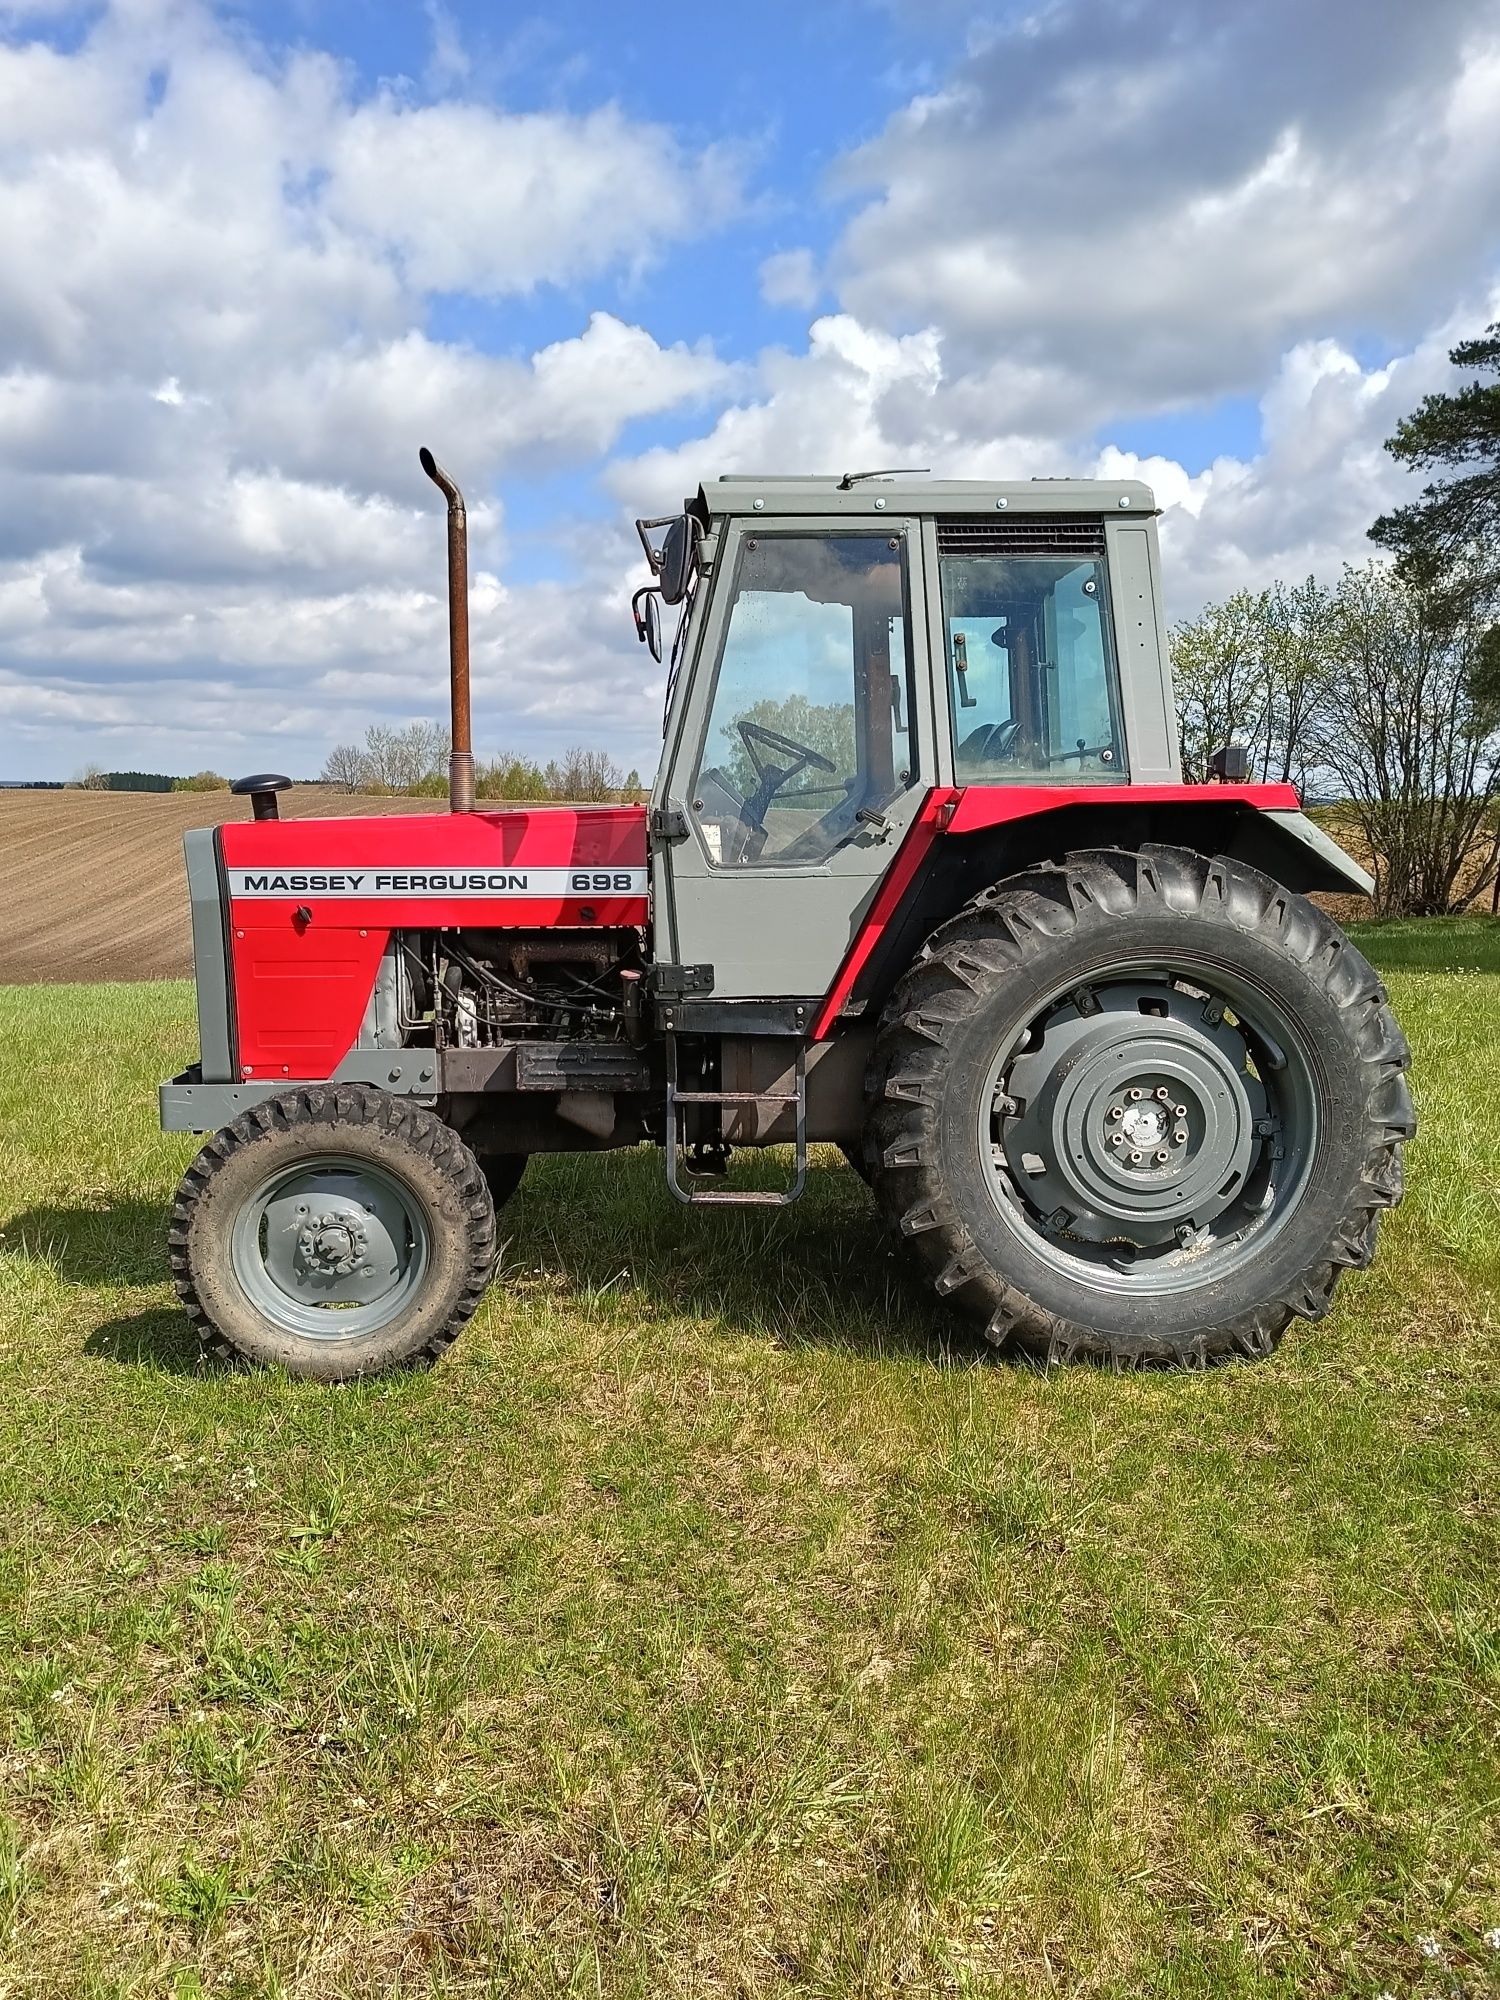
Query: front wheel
{"type": "Point", "coordinates": [1139, 1106]}
{"type": "Point", "coordinates": [335, 1230]}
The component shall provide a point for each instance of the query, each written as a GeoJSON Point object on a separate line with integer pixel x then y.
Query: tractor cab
{"type": "Point", "coordinates": [846, 646]}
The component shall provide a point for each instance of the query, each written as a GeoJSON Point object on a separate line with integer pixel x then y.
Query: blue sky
{"type": "Point", "coordinates": [252, 256]}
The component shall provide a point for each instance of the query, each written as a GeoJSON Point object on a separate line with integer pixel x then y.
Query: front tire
{"type": "Point", "coordinates": [335, 1230]}
{"type": "Point", "coordinates": [1141, 1107]}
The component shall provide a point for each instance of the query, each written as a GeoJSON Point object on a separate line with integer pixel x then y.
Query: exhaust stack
{"type": "Point", "coordinates": [461, 762]}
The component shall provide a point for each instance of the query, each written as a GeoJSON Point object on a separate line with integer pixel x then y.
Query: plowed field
{"type": "Point", "coordinates": [92, 883]}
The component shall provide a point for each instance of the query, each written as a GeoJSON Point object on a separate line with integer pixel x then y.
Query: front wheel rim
{"type": "Point", "coordinates": [1150, 1129]}
{"type": "Point", "coordinates": [331, 1249]}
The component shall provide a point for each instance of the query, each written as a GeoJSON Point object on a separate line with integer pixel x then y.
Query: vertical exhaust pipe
{"type": "Point", "coordinates": [461, 762]}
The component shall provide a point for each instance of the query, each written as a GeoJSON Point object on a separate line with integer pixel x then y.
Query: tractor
{"type": "Point", "coordinates": [919, 879]}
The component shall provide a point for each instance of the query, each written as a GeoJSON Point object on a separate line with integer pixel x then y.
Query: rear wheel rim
{"type": "Point", "coordinates": [1151, 1128]}
{"type": "Point", "coordinates": [331, 1249]}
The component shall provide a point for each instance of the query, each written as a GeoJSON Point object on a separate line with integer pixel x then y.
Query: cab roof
{"type": "Point", "coordinates": [735, 493]}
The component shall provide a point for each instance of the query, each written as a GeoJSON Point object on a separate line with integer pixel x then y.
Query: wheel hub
{"type": "Point", "coordinates": [331, 1249]}
{"type": "Point", "coordinates": [1137, 1120]}
{"type": "Point", "coordinates": [333, 1242]}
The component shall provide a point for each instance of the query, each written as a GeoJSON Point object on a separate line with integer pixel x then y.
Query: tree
{"type": "Point", "coordinates": [1410, 729]}
{"type": "Point", "coordinates": [1298, 628]}
{"type": "Point", "coordinates": [509, 778]}
{"type": "Point", "coordinates": [1223, 682]}
{"type": "Point", "coordinates": [92, 778]}
{"type": "Point", "coordinates": [1453, 530]}
{"type": "Point", "coordinates": [417, 752]}
{"type": "Point", "coordinates": [345, 766]}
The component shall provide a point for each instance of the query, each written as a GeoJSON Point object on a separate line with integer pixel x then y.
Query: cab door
{"type": "Point", "coordinates": [799, 751]}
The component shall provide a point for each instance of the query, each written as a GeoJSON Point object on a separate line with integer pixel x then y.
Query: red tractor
{"type": "Point", "coordinates": [919, 878]}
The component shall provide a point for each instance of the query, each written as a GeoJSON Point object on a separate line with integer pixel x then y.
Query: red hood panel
{"type": "Point", "coordinates": [312, 903]}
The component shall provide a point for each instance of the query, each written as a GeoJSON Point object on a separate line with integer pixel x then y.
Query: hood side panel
{"type": "Point", "coordinates": [312, 904]}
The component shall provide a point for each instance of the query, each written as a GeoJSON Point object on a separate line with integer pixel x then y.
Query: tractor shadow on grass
{"type": "Point", "coordinates": [822, 1272]}
{"type": "Point", "coordinates": [117, 1244]}
{"type": "Point", "coordinates": [162, 1339]}
{"type": "Point", "coordinates": [96, 1243]}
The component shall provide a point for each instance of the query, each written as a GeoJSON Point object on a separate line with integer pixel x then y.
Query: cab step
{"type": "Point", "coordinates": [736, 1197]}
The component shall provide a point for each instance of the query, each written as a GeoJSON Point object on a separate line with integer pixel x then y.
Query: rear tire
{"type": "Point", "coordinates": [336, 1231]}
{"type": "Point", "coordinates": [1139, 1107]}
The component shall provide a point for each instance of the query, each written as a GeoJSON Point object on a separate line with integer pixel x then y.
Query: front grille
{"type": "Point", "coordinates": [1080, 536]}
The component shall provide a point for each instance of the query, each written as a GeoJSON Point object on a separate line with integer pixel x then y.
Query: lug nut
{"type": "Point", "coordinates": [1162, 1157]}
{"type": "Point", "coordinates": [1117, 1139]}
{"type": "Point", "coordinates": [1117, 1111]}
{"type": "Point", "coordinates": [1135, 1159]}
{"type": "Point", "coordinates": [1136, 1094]}
{"type": "Point", "coordinates": [1179, 1137]}
{"type": "Point", "coordinates": [1162, 1092]}
{"type": "Point", "coordinates": [1179, 1111]}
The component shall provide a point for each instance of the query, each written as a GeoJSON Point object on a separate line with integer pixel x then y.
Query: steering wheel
{"type": "Point", "coordinates": [770, 779]}
{"type": "Point", "coordinates": [757, 739]}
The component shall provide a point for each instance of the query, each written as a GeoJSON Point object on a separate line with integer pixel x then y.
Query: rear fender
{"type": "Point", "coordinates": [962, 841]}
{"type": "Point", "coordinates": [1294, 850]}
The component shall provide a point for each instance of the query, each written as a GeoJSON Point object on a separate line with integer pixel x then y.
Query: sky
{"type": "Point", "coordinates": [252, 256]}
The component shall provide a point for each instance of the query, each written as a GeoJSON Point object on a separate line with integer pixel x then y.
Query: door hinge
{"type": "Point", "coordinates": [667, 823]}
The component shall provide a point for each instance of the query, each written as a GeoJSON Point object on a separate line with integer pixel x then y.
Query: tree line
{"type": "Point", "coordinates": [94, 778]}
{"type": "Point", "coordinates": [414, 761]}
{"type": "Point", "coordinates": [1381, 692]}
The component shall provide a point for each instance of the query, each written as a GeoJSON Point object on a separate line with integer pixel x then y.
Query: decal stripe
{"type": "Point", "coordinates": [462, 880]}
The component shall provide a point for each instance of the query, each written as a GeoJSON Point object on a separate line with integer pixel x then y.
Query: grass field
{"type": "Point", "coordinates": [710, 1625]}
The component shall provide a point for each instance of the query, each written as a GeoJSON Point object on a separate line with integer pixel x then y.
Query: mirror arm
{"type": "Point", "coordinates": [643, 529]}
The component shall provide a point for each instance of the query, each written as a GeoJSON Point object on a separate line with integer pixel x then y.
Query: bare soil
{"type": "Point", "coordinates": [92, 883]}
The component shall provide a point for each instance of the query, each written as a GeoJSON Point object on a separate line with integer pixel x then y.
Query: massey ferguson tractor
{"type": "Point", "coordinates": [919, 879]}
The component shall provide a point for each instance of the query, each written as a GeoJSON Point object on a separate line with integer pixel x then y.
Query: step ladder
{"type": "Point", "coordinates": [736, 1197]}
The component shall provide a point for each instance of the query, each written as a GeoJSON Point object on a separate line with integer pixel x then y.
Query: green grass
{"type": "Point", "coordinates": [716, 1622]}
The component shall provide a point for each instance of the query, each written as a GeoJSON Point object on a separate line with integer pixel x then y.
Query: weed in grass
{"type": "Point", "coordinates": [220, 1756]}
{"type": "Point", "coordinates": [943, 1843]}
{"type": "Point", "coordinates": [16, 1879]}
{"type": "Point", "coordinates": [201, 1893]}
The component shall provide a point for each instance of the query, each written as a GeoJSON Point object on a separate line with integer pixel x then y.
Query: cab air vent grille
{"type": "Point", "coordinates": [1077, 535]}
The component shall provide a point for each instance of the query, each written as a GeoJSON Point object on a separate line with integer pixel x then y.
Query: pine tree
{"type": "Point", "coordinates": [1451, 535]}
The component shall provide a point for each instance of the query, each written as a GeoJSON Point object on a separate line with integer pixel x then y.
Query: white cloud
{"type": "Point", "coordinates": [222, 280]}
{"type": "Point", "coordinates": [215, 368]}
{"type": "Point", "coordinates": [1150, 205]}
{"type": "Point", "coordinates": [473, 202]}
{"type": "Point", "coordinates": [790, 278]}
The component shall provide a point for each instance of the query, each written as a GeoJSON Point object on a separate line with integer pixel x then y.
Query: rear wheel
{"type": "Point", "coordinates": [335, 1230]}
{"type": "Point", "coordinates": [1143, 1107]}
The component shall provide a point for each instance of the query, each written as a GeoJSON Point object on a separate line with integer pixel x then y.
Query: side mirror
{"type": "Point", "coordinates": [678, 551]}
{"type": "Point", "coordinates": [1231, 765]}
{"type": "Point", "coordinates": [645, 609]}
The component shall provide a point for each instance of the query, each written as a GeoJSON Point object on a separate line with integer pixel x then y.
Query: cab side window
{"type": "Point", "coordinates": [1032, 684]}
